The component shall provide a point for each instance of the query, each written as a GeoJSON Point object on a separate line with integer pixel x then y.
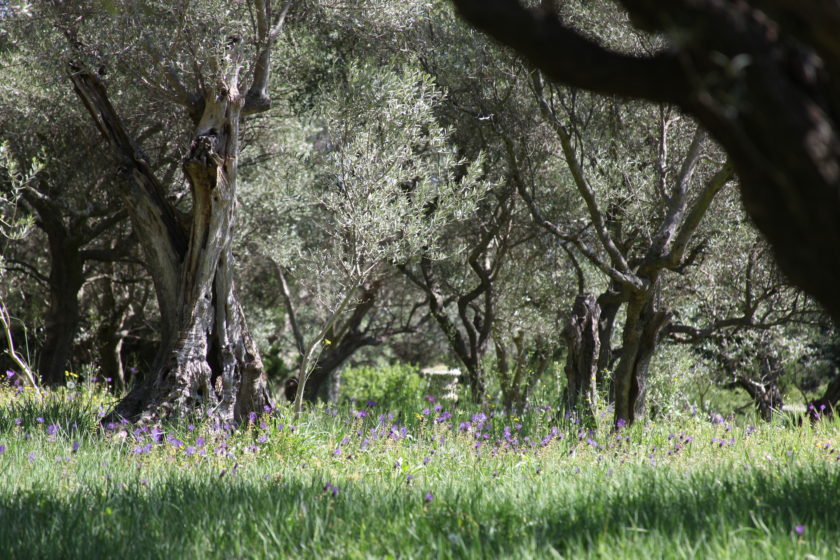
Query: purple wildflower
{"type": "Point", "coordinates": [328, 487]}
{"type": "Point", "coordinates": [428, 497]}
{"type": "Point", "coordinates": [800, 530]}
{"type": "Point", "coordinates": [52, 429]}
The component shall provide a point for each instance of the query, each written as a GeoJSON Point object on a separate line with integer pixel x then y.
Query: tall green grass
{"type": "Point", "coordinates": [327, 488]}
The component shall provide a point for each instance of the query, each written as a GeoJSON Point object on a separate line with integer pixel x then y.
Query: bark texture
{"type": "Point", "coordinates": [643, 329]}
{"type": "Point", "coordinates": [62, 319]}
{"type": "Point", "coordinates": [207, 359]}
{"type": "Point", "coordinates": [583, 344]}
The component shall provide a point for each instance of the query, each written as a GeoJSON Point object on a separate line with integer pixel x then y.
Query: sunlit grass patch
{"type": "Point", "coordinates": [454, 482]}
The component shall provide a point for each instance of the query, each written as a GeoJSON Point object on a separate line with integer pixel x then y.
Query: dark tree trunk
{"type": "Point", "coordinates": [765, 395]}
{"type": "Point", "coordinates": [62, 318]}
{"type": "Point", "coordinates": [320, 384]}
{"type": "Point", "coordinates": [583, 349]}
{"type": "Point", "coordinates": [827, 404]}
{"type": "Point", "coordinates": [642, 331]}
{"type": "Point", "coordinates": [207, 359]}
{"type": "Point", "coordinates": [609, 302]}
{"type": "Point", "coordinates": [520, 371]}
{"type": "Point", "coordinates": [347, 338]}
{"type": "Point", "coordinates": [61, 322]}
{"type": "Point", "coordinates": [111, 334]}
{"type": "Point", "coordinates": [470, 348]}
{"type": "Point", "coordinates": [764, 392]}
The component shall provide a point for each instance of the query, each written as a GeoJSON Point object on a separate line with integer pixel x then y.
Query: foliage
{"type": "Point", "coordinates": [387, 385]}
{"type": "Point", "coordinates": [382, 147]}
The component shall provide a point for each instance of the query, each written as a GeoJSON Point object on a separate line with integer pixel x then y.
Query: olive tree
{"type": "Point", "coordinates": [191, 71]}
{"type": "Point", "coordinates": [381, 188]}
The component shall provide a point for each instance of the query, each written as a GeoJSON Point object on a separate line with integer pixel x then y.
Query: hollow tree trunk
{"type": "Point", "coordinates": [583, 349]}
{"type": "Point", "coordinates": [207, 359]}
{"type": "Point", "coordinates": [641, 335]}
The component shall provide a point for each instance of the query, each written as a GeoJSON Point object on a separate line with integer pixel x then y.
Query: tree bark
{"type": "Point", "coordinates": [207, 359]}
{"type": "Point", "coordinates": [66, 278]}
{"type": "Point", "coordinates": [609, 302]}
{"type": "Point", "coordinates": [319, 385]}
{"type": "Point", "coordinates": [583, 350]}
{"type": "Point", "coordinates": [642, 331]}
{"type": "Point", "coordinates": [62, 318]}
{"type": "Point", "coordinates": [345, 340]}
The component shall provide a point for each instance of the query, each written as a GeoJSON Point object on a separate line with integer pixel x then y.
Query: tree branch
{"type": "Point", "coordinates": [567, 56]}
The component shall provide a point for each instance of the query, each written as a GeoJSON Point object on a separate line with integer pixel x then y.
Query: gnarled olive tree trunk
{"type": "Point", "coordinates": [207, 358]}
{"type": "Point", "coordinates": [642, 332]}
{"type": "Point", "coordinates": [583, 348]}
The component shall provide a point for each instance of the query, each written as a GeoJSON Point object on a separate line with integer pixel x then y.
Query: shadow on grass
{"type": "Point", "coordinates": [231, 518]}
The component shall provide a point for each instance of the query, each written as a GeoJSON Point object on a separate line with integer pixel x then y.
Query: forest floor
{"type": "Point", "coordinates": [422, 481]}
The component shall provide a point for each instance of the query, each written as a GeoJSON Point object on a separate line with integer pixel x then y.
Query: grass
{"type": "Point", "coordinates": [356, 483]}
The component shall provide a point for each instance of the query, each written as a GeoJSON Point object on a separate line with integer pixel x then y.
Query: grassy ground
{"type": "Point", "coordinates": [366, 482]}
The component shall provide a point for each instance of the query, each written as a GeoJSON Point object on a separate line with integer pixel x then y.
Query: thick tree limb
{"type": "Point", "coordinates": [758, 85]}
{"type": "Point", "coordinates": [567, 56]}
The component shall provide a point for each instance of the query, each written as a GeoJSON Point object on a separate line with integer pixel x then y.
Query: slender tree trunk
{"type": "Point", "coordinates": [641, 335]}
{"type": "Point", "coordinates": [346, 340]}
{"type": "Point", "coordinates": [476, 379]}
{"type": "Point", "coordinates": [583, 350]}
{"type": "Point", "coordinates": [322, 378]}
{"type": "Point", "coordinates": [111, 333]}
